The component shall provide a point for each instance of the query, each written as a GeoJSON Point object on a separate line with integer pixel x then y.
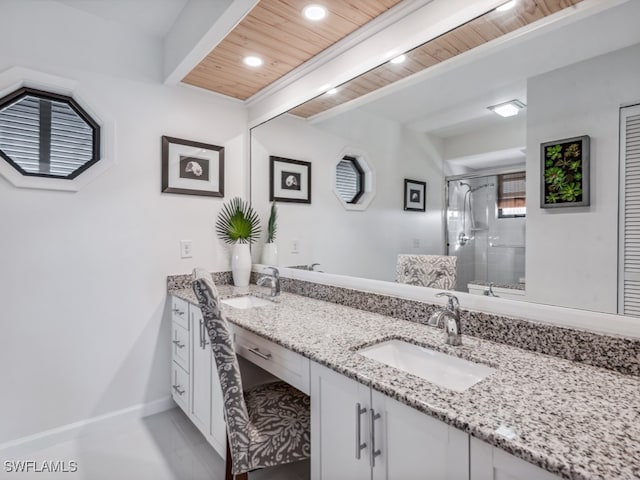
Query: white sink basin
{"type": "Point", "coordinates": [248, 301]}
{"type": "Point", "coordinates": [444, 370]}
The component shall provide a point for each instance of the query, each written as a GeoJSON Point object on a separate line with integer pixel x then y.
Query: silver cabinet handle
{"type": "Point", "coordinates": [359, 445]}
{"type": "Point", "coordinates": [372, 438]}
{"type": "Point", "coordinates": [177, 311]}
{"type": "Point", "coordinates": [177, 343]}
{"type": "Point", "coordinates": [255, 351]}
{"type": "Point", "coordinates": [177, 389]}
{"type": "Point", "coordinates": [201, 334]}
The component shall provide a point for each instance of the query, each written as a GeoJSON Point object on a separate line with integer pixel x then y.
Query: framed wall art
{"type": "Point", "coordinates": [564, 173]}
{"type": "Point", "coordinates": [192, 168]}
{"type": "Point", "coordinates": [415, 192]}
{"type": "Point", "coordinates": [289, 180]}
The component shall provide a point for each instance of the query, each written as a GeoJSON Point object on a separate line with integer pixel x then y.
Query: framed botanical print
{"type": "Point", "coordinates": [564, 172]}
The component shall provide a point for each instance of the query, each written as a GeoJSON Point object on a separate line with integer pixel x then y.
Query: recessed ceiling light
{"type": "Point", "coordinates": [507, 109]}
{"type": "Point", "coordinates": [506, 6]}
{"type": "Point", "coordinates": [314, 12]}
{"type": "Point", "coordinates": [253, 61]}
{"type": "Point", "coordinates": [333, 91]}
{"type": "Point", "coordinates": [399, 59]}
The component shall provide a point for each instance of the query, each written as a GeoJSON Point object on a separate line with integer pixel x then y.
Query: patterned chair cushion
{"type": "Point", "coordinates": [435, 271]}
{"type": "Point", "coordinates": [255, 442]}
{"type": "Point", "coordinates": [279, 415]}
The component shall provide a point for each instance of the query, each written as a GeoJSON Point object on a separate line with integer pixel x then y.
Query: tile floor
{"type": "Point", "coordinates": [165, 446]}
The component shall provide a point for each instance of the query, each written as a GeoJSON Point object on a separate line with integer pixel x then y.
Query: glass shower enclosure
{"type": "Point", "coordinates": [485, 228]}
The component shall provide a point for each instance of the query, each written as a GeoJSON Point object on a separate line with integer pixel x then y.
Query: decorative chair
{"type": "Point", "coordinates": [435, 271]}
{"type": "Point", "coordinates": [267, 425]}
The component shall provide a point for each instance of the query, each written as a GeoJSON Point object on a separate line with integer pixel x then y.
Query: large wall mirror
{"type": "Point", "coordinates": [482, 170]}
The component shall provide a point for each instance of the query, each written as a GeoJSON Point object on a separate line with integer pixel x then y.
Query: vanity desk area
{"type": "Point", "coordinates": [535, 416]}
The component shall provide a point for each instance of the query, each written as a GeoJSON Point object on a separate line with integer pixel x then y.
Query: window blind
{"type": "Point", "coordinates": [348, 179]}
{"type": "Point", "coordinates": [512, 195]}
{"type": "Point", "coordinates": [69, 139]}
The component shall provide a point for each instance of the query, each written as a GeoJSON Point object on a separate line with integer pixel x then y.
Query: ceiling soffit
{"type": "Point", "coordinates": [481, 30]}
{"type": "Point", "coordinates": [276, 31]}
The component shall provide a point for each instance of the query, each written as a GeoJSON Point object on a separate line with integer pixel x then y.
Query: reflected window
{"type": "Point", "coordinates": [512, 195]}
{"type": "Point", "coordinates": [349, 179]}
{"type": "Point", "coordinates": [44, 134]}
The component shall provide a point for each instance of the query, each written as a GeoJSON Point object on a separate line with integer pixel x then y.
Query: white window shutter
{"type": "Point", "coordinates": [629, 249]}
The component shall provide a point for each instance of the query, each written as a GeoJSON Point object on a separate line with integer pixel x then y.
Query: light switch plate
{"type": "Point", "coordinates": [186, 249]}
{"type": "Point", "coordinates": [295, 246]}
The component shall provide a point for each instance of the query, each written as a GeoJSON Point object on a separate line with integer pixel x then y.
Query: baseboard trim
{"type": "Point", "coordinates": [25, 445]}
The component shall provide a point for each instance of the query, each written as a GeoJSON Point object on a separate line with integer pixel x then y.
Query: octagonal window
{"type": "Point", "coordinates": [45, 134]}
{"type": "Point", "coordinates": [349, 179]}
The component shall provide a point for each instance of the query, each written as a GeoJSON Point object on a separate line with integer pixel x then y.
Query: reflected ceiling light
{"type": "Point", "coordinates": [253, 61]}
{"type": "Point", "coordinates": [507, 109]}
{"type": "Point", "coordinates": [506, 6]}
{"type": "Point", "coordinates": [333, 91]}
{"type": "Point", "coordinates": [314, 12]}
{"type": "Point", "coordinates": [399, 59]}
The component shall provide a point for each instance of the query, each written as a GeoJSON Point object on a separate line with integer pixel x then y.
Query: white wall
{"type": "Point", "coordinates": [363, 244]}
{"type": "Point", "coordinates": [82, 275]}
{"type": "Point", "coordinates": [581, 243]}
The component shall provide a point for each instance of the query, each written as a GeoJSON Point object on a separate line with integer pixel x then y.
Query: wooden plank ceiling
{"type": "Point", "coordinates": [277, 32]}
{"type": "Point", "coordinates": [474, 33]}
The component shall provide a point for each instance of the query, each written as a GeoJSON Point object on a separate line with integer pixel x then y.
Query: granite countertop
{"type": "Point", "coordinates": [572, 419]}
{"type": "Point", "coordinates": [512, 286]}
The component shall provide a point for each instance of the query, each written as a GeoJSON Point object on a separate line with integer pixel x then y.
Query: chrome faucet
{"type": "Point", "coordinates": [489, 291]}
{"type": "Point", "coordinates": [272, 281]}
{"type": "Point", "coordinates": [449, 316]}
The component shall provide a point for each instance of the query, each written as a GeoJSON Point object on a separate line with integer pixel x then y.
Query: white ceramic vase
{"type": "Point", "coordinates": [241, 264]}
{"type": "Point", "coordinates": [270, 254]}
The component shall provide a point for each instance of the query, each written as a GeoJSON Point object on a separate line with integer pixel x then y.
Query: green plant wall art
{"type": "Point", "coordinates": [565, 173]}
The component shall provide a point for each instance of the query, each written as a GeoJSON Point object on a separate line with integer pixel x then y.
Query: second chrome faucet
{"type": "Point", "coordinates": [272, 281]}
{"type": "Point", "coordinates": [449, 317]}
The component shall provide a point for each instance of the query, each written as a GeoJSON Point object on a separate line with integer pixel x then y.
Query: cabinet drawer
{"type": "Point", "coordinates": [289, 366]}
{"type": "Point", "coordinates": [180, 386]}
{"type": "Point", "coordinates": [180, 346]}
{"type": "Point", "coordinates": [179, 309]}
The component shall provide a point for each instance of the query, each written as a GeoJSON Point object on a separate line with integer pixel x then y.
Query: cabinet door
{"type": "Point", "coordinates": [334, 421]}
{"type": "Point", "coordinates": [200, 373]}
{"type": "Point", "coordinates": [416, 446]}
{"type": "Point", "coordinates": [491, 463]}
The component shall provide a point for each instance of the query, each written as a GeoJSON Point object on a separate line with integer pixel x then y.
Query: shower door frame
{"type": "Point", "coordinates": [475, 174]}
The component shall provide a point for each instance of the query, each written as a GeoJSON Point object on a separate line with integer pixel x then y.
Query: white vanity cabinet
{"type": "Point", "coordinates": [351, 422]}
{"type": "Point", "coordinates": [491, 463]}
{"type": "Point", "coordinates": [195, 384]}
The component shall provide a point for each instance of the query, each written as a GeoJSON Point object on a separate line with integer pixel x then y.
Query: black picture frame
{"type": "Point", "coordinates": [415, 193]}
{"type": "Point", "coordinates": [192, 168]}
{"type": "Point", "coordinates": [564, 172]}
{"type": "Point", "coordinates": [289, 180]}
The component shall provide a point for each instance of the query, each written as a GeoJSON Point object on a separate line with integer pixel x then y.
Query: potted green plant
{"type": "Point", "coordinates": [270, 249]}
{"type": "Point", "coordinates": [238, 224]}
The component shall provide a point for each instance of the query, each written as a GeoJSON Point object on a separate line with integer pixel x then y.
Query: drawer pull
{"type": "Point", "coordinates": [359, 444]}
{"type": "Point", "coordinates": [255, 351]}
{"type": "Point", "coordinates": [373, 453]}
{"type": "Point", "coordinates": [177, 389]}
{"type": "Point", "coordinates": [178, 344]}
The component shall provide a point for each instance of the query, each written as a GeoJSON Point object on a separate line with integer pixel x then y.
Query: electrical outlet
{"type": "Point", "coordinates": [186, 249]}
{"type": "Point", "coordinates": [416, 243]}
{"type": "Point", "coordinates": [295, 246]}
